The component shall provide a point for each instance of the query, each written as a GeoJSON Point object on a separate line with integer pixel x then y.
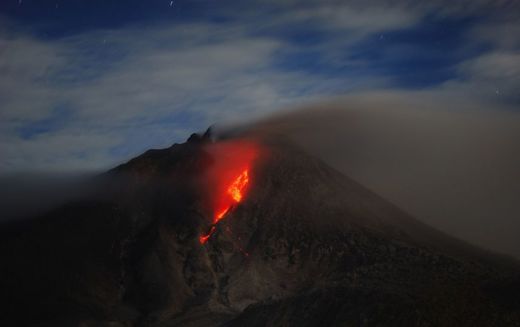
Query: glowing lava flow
{"type": "Point", "coordinates": [234, 194]}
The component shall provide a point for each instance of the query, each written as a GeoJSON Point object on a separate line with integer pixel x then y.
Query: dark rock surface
{"type": "Point", "coordinates": [307, 247]}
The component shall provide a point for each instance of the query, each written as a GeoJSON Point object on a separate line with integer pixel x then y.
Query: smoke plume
{"type": "Point", "coordinates": [450, 162]}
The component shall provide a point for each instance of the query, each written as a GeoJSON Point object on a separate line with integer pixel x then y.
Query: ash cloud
{"type": "Point", "coordinates": [451, 163]}
{"type": "Point", "coordinates": [26, 195]}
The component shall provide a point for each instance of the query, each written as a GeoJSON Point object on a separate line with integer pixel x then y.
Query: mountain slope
{"type": "Point", "coordinates": [307, 246]}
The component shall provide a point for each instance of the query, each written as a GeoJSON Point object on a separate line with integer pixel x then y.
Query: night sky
{"type": "Point", "coordinates": [85, 85]}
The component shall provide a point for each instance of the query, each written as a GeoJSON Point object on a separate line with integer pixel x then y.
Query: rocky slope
{"type": "Point", "coordinates": [306, 247]}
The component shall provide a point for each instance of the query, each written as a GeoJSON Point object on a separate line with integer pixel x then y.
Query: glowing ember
{"type": "Point", "coordinates": [234, 194]}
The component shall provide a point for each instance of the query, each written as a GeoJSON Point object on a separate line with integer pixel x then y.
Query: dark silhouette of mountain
{"type": "Point", "coordinates": [307, 246]}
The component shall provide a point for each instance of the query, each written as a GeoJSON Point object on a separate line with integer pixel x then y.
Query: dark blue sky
{"type": "Point", "coordinates": [118, 77]}
{"type": "Point", "coordinates": [419, 55]}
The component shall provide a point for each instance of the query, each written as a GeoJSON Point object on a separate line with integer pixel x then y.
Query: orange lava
{"type": "Point", "coordinates": [234, 194]}
{"type": "Point", "coordinates": [204, 238]}
{"type": "Point", "coordinates": [220, 215]}
{"type": "Point", "coordinates": [227, 180]}
{"type": "Point", "coordinates": [238, 185]}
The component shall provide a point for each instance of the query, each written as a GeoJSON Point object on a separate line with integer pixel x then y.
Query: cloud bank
{"type": "Point", "coordinates": [90, 99]}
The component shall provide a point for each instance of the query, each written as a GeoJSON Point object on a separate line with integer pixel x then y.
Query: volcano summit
{"type": "Point", "coordinates": [244, 232]}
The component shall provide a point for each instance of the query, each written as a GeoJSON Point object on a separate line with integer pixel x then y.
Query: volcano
{"type": "Point", "coordinates": [244, 232]}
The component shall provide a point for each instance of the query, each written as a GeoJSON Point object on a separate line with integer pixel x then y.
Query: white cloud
{"type": "Point", "coordinates": [361, 20]}
{"type": "Point", "coordinates": [159, 79]}
{"type": "Point", "coordinates": [494, 66]}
